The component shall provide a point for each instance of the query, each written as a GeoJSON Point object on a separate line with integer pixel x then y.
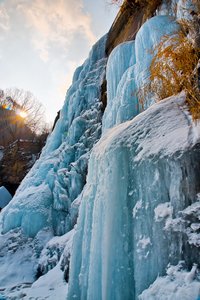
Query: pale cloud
{"type": "Point", "coordinates": [66, 80]}
{"type": "Point", "coordinates": [4, 19]}
{"type": "Point", "coordinates": [55, 22]}
{"type": "Point", "coordinates": [43, 41]}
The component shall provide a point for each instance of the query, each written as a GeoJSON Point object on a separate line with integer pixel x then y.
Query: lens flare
{"type": "Point", "coordinates": [22, 114]}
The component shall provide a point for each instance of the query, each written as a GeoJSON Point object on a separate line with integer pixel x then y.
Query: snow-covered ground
{"type": "Point", "coordinates": [18, 268]}
{"type": "Point", "coordinates": [50, 286]}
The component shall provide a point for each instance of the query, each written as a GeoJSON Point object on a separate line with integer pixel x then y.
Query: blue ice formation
{"type": "Point", "coordinates": [136, 184]}
{"type": "Point", "coordinates": [58, 177]}
{"type": "Point", "coordinates": [142, 173]}
{"type": "Point", "coordinates": [122, 104]}
{"type": "Point", "coordinates": [46, 195]}
{"type": "Point", "coordinates": [147, 38]}
{"type": "Point", "coordinates": [128, 71]}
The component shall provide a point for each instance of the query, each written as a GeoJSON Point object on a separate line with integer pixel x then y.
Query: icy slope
{"type": "Point", "coordinates": [45, 196]}
{"type": "Point", "coordinates": [149, 161]}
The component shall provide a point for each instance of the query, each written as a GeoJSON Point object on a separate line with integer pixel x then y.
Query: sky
{"type": "Point", "coordinates": [43, 41]}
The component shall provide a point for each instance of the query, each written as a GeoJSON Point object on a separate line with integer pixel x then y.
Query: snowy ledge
{"type": "Point", "coordinates": [177, 131]}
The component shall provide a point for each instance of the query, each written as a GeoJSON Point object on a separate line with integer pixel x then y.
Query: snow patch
{"type": "Point", "coordinates": [137, 206]}
{"type": "Point", "coordinates": [179, 284]}
{"type": "Point", "coordinates": [144, 242]}
{"type": "Point", "coordinates": [163, 210]}
{"type": "Point", "coordinates": [187, 222]}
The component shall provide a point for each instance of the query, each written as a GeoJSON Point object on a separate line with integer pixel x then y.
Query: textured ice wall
{"type": "Point", "coordinates": [147, 38]}
{"type": "Point", "coordinates": [128, 70]}
{"type": "Point", "coordinates": [132, 171]}
{"type": "Point", "coordinates": [137, 166]}
{"type": "Point", "coordinates": [45, 196]}
{"type": "Point", "coordinates": [122, 105]}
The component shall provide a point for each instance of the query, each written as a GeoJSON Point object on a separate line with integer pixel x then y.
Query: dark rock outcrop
{"type": "Point", "coordinates": [128, 21]}
{"type": "Point", "coordinates": [17, 160]}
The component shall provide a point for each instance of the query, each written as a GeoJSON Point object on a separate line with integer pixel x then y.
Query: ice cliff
{"type": "Point", "coordinates": [137, 234]}
{"type": "Point", "coordinates": [45, 196]}
{"type": "Point", "coordinates": [124, 232]}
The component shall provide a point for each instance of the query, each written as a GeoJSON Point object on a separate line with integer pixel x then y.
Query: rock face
{"type": "Point", "coordinates": [18, 158]}
{"type": "Point", "coordinates": [125, 27]}
{"type": "Point", "coordinates": [128, 21]}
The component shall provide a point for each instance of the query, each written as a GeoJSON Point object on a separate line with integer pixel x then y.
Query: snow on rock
{"type": "Point", "coordinates": [51, 286]}
{"type": "Point", "coordinates": [187, 221]}
{"type": "Point", "coordinates": [179, 284]}
{"type": "Point", "coordinates": [5, 197]}
{"type": "Point", "coordinates": [53, 251]}
{"type": "Point", "coordinates": [163, 210]}
{"type": "Point", "coordinates": [29, 258]}
{"type": "Point", "coordinates": [18, 257]}
{"type": "Point", "coordinates": [54, 261]}
{"type": "Point", "coordinates": [145, 158]}
{"type": "Point", "coordinates": [45, 196]}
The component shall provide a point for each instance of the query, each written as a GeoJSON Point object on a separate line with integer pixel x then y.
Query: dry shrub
{"type": "Point", "coordinates": [173, 69]}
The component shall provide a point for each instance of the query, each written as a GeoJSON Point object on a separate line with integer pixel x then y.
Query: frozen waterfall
{"type": "Point", "coordinates": [45, 197]}
{"type": "Point", "coordinates": [131, 175]}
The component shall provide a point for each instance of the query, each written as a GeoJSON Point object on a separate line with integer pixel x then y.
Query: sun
{"type": "Point", "coordinates": [22, 114]}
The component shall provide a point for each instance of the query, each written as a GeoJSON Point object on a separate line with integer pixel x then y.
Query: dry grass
{"type": "Point", "coordinates": [174, 66]}
{"type": "Point", "coordinates": [174, 69]}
